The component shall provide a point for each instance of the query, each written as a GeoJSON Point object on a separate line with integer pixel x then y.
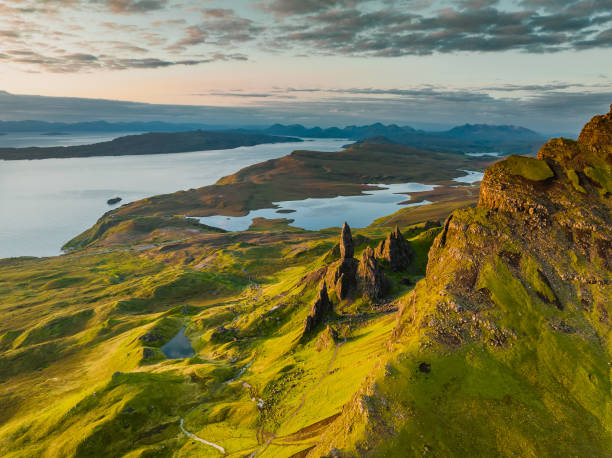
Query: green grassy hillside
{"type": "Point", "coordinates": [492, 339]}
{"type": "Point", "coordinates": [504, 349]}
{"type": "Point", "coordinates": [81, 367]}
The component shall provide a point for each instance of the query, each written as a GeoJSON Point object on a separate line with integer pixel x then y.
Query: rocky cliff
{"type": "Point", "coordinates": [505, 347]}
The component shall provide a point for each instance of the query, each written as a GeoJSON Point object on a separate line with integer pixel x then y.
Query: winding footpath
{"type": "Point", "coordinates": [196, 438]}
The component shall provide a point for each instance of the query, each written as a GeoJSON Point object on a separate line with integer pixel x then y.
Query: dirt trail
{"type": "Point", "coordinates": [196, 438]}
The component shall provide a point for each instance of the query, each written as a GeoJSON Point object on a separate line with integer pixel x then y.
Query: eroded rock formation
{"type": "Point", "coordinates": [372, 280]}
{"type": "Point", "coordinates": [343, 273]}
{"type": "Point", "coordinates": [321, 308]}
{"type": "Point", "coordinates": [347, 248]}
{"type": "Point", "coordinates": [525, 272]}
{"type": "Point", "coordinates": [395, 250]}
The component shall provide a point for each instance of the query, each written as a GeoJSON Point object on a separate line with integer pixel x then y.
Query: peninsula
{"type": "Point", "coordinates": [151, 143]}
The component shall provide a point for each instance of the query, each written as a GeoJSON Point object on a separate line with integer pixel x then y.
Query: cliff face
{"type": "Point", "coordinates": [506, 346]}
{"type": "Point", "coordinates": [545, 222]}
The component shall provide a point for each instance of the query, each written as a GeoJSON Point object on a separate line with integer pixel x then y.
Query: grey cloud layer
{"type": "Point", "coordinates": [385, 28]}
{"type": "Point", "coordinates": [398, 32]}
{"type": "Point", "coordinates": [70, 63]}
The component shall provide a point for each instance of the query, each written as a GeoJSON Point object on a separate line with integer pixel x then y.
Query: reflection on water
{"type": "Point", "coordinates": [178, 347]}
{"type": "Point", "coordinates": [45, 203]}
{"type": "Point", "coordinates": [42, 139]}
{"type": "Point", "coordinates": [491, 154]}
{"type": "Point", "coordinates": [315, 214]}
{"type": "Point", "coordinates": [470, 178]}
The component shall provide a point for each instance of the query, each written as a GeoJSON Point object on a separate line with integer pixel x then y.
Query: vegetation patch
{"type": "Point", "coordinates": [575, 180]}
{"type": "Point", "coordinates": [527, 167]}
{"type": "Point", "coordinates": [61, 283]}
{"type": "Point", "coordinates": [56, 328]}
{"type": "Point", "coordinates": [602, 176]}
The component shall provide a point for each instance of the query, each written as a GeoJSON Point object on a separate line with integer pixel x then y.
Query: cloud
{"type": "Point", "coordinates": [115, 6]}
{"type": "Point", "coordinates": [77, 62]}
{"type": "Point", "coordinates": [476, 26]}
{"type": "Point", "coordinates": [179, 31]}
{"type": "Point", "coordinates": [193, 36]}
{"type": "Point", "coordinates": [248, 95]}
{"type": "Point", "coordinates": [474, 4]}
{"type": "Point", "coordinates": [135, 6]}
{"type": "Point", "coordinates": [221, 27]}
{"type": "Point", "coordinates": [298, 7]}
{"type": "Point", "coordinates": [9, 34]}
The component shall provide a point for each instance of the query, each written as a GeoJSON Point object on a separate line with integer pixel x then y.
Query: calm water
{"type": "Point", "coordinates": [471, 177]}
{"type": "Point", "coordinates": [45, 203]}
{"type": "Point", "coordinates": [23, 139]}
{"type": "Point", "coordinates": [315, 214]}
{"type": "Point", "coordinates": [178, 347]}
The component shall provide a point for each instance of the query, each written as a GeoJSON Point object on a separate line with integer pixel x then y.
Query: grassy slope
{"type": "Point", "coordinates": [495, 352]}
{"type": "Point", "coordinates": [505, 348]}
{"type": "Point", "coordinates": [74, 381]}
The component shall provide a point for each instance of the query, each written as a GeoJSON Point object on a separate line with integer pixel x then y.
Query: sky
{"type": "Point", "coordinates": [544, 64]}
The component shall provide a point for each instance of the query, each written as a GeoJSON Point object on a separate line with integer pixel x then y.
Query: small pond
{"type": "Point", "coordinates": [178, 347]}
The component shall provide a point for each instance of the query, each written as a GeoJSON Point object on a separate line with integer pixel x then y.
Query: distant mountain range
{"type": "Point", "coordinates": [469, 138]}
{"type": "Point", "coordinates": [349, 132]}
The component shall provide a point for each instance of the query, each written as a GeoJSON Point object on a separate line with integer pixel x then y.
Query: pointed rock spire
{"type": "Point", "coordinates": [347, 248]}
{"type": "Point", "coordinates": [396, 250]}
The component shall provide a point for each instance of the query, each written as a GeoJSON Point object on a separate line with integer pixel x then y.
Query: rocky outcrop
{"type": "Point", "coordinates": [395, 250]}
{"type": "Point", "coordinates": [525, 272]}
{"type": "Point", "coordinates": [321, 308]}
{"type": "Point", "coordinates": [598, 131]}
{"type": "Point", "coordinates": [350, 277]}
{"type": "Point", "coordinates": [347, 248]}
{"type": "Point", "coordinates": [542, 230]}
{"type": "Point", "coordinates": [372, 280]}
{"type": "Point", "coordinates": [342, 274]}
{"type": "Point", "coordinates": [147, 353]}
{"type": "Point", "coordinates": [151, 338]}
{"type": "Point", "coordinates": [344, 277]}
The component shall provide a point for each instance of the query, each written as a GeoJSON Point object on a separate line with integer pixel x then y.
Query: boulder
{"type": "Point", "coordinates": [151, 337]}
{"type": "Point", "coordinates": [147, 353]}
{"type": "Point", "coordinates": [372, 280]}
{"type": "Point", "coordinates": [395, 250]}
